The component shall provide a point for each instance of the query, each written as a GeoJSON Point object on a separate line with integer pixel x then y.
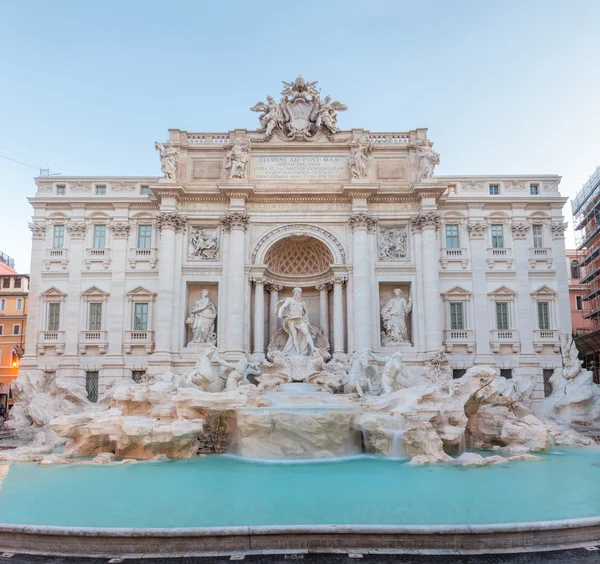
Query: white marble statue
{"type": "Point", "coordinates": [202, 375]}
{"type": "Point", "coordinates": [240, 371]}
{"type": "Point", "coordinates": [202, 320]}
{"type": "Point", "coordinates": [204, 243]}
{"type": "Point", "coordinates": [362, 377]}
{"type": "Point", "coordinates": [395, 319]}
{"type": "Point", "coordinates": [271, 115]}
{"type": "Point", "coordinates": [293, 312]}
{"type": "Point", "coordinates": [169, 159]}
{"type": "Point", "coordinates": [394, 376]}
{"type": "Point", "coordinates": [428, 159]}
{"type": "Point", "coordinates": [237, 159]}
{"type": "Point", "coordinates": [570, 356]}
{"type": "Point", "coordinates": [325, 114]}
{"type": "Point", "coordinates": [359, 154]}
{"type": "Point", "coordinates": [392, 243]}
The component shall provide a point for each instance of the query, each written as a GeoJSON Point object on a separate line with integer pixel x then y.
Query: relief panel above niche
{"type": "Point", "coordinates": [204, 169]}
{"type": "Point", "coordinates": [390, 170]}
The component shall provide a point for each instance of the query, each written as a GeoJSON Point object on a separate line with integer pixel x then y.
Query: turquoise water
{"type": "Point", "coordinates": [222, 491]}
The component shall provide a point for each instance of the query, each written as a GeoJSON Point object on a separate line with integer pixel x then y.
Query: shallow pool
{"type": "Point", "coordinates": [228, 491]}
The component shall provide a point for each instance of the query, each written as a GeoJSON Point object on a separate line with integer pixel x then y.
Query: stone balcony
{"type": "Point", "coordinates": [139, 338]}
{"type": "Point", "coordinates": [454, 255]}
{"type": "Point", "coordinates": [509, 337]}
{"type": "Point", "coordinates": [540, 256]}
{"type": "Point", "coordinates": [498, 256]}
{"type": "Point", "coordinates": [93, 339]}
{"type": "Point", "coordinates": [459, 337]}
{"type": "Point", "coordinates": [549, 337]}
{"type": "Point", "coordinates": [98, 256]}
{"type": "Point", "coordinates": [144, 256]}
{"type": "Point", "coordinates": [56, 256]}
{"type": "Point", "coordinates": [51, 339]}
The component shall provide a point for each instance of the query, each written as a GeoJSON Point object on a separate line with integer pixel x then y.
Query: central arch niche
{"type": "Point", "coordinates": [297, 258]}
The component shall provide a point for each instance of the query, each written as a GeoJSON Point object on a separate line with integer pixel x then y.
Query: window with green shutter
{"type": "Point", "coordinates": [501, 316]}
{"type": "Point", "coordinates": [99, 236]}
{"type": "Point", "coordinates": [140, 322]}
{"type": "Point", "coordinates": [456, 315]}
{"type": "Point", "coordinates": [53, 317]}
{"type": "Point", "coordinates": [452, 241]}
{"type": "Point", "coordinates": [95, 319]}
{"type": "Point", "coordinates": [544, 315]}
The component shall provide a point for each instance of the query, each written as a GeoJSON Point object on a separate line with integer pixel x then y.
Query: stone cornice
{"type": "Point", "coordinates": [236, 190]}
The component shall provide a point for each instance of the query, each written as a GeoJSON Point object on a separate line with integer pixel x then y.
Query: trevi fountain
{"type": "Point", "coordinates": [307, 445]}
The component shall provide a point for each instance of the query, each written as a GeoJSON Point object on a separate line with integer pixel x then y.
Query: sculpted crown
{"type": "Point", "coordinates": [300, 113]}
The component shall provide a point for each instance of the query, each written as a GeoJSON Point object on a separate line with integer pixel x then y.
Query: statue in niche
{"type": "Point", "coordinates": [202, 320]}
{"type": "Point", "coordinates": [392, 245]}
{"type": "Point", "coordinates": [237, 159]}
{"type": "Point", "coordinates": [359, 153]}
{"type": "Point", "coordinates": [168, 159]}
{"type": "Point", "coordinates": [204, 243]}
{"type": "Point", "coordinates": [395, 319]}
{"type": "Point", "coordinates": [428, 159]}
{"type": "Point", "coordinates": [298, 337]}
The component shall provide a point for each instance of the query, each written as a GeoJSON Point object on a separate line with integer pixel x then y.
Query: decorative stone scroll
{"type": "Point", "coordinates": [233, 220]}
{"type": "Point", "coordinates": [558, 230]}
{"type": "Point", "coordinates": [38, 230]}
{"type": "Point", "coordinates": [203, 243]}
{"type": "Point", "coordinates": [550, 186]}
{"type": "Point", "coordinates": [426, 219]}
{"type": "Point", "coordinates": [472, 186]}
{"type": "Point", "coordinates": [80, 186]}
{"type": "Point", "coordinates": [123, 186]}
{"type": "Point", "coordinates": [514, 186]}
{"type": "Point", "coordinates": [392, 243]}
{"type": "Point", "coordinates": [77, 229]}
{"type": "Point", "coordinates": [519, 230]}
{"type": "Point", "coordinates": [170, 220]}
{"type": "Point", "coordinates": [45, 187]}
{"type": "Point", "coordinates": [271, 287]}
{"type": "Point", "coordinates": [358, 220]}
{"type": "Point", "coordinates": [477, 229]}
{"type": "Point", "coordinates": [120, 229]}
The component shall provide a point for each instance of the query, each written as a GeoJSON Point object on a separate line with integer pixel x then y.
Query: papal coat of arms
{"type": "Point", "coordinates": [301, 113]}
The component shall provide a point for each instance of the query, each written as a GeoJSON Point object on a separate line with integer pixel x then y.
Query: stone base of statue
{"type": "Point", "coordinates": [303, 367]}
{"type": "Point", "coordinates": [194, 346]}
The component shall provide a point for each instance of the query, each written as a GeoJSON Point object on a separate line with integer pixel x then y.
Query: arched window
{"type": "Point", "coordinates": [574, 269]}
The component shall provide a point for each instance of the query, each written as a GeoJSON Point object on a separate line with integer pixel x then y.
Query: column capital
{"type": "Point", "coordinates": [170, 220]}
{"type": "Point", "coordinates": [120, 229]}
{"type": "Point", "coordinates": [325, 287]}
{"type": "Point", "coordinates": [258, 280]}
{"type": "Point", "coordinates": [362, 220]}
{"type": "Point", "coordinates": [558, 230]}
{"type": "Point", "coordinates": [76, 229]}
{"type": "Point", "coordinates": [519, 230]}
{"type": "Point", "coordinates": [235, 220]}
{"type": "Point", "coordinates": [477, 229]}
{"type": "Point", "coordinates": [270, 287]}
{"type": "Point", "coordinates": [425, 220]}
{"type": "Point", "coordinates": [38, 230]}
{"type": "Point", "coordinates": [339, 279]}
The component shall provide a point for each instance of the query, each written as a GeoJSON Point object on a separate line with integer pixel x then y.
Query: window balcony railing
{"type": "Point", "coordinates": [97, 256]}
{"type": "Point", "coordinates": [500, 337]}
{"type": "Point", "coordinates": [543, 337]}
{"type": "Point", "coordinates": [454, 255]}
{"type": "Point", "coordinates": [142, 255]}
{"type": "Point", "coordinates": [56, 256]}
{"type": "Point", "coordinates": [499, 255]}
{"type": "Point", "coordinates": [540, 255]}
{"type": "Point", "coordinates": [463, 337]}
{"type": "Point", "coordinates": [48, 339]}
{"type": "Point", "coordinates": [139, 338]}
{"type": "Point", "coordinates": [92, 338]}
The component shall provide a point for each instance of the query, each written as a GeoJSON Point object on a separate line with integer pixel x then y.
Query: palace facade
{"type": "Point", "coordinates": [119, 264]}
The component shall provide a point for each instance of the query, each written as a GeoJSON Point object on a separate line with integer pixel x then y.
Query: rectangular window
{"type": "Point", "coordinates": [58, 241]}
{"type": "Point", "coordinates": [456, 315]}
{"type": "Point", "coordinates": [99, 236]}
{"type": "Point", "coordinates": [16, 329]}
{"type": "Point", "coordinates": [137, 375]}
{"type": "Point", "coordinates": [144, 236]}
{"type": "Point", "coordinates": [533, 189]}
{"type": "Point", "coordinates": [544, 315]}
{"type": "Point", "coordinates": [538, 239]}
{"type": "Point", "coordinates": [506, 373]}
{"type": "Point", "coordinates": [61, 190]}
{"type": "Point", "coordinates": [140, 322]}
{"type": "Point", "coordinates": [1, 329]}
{"type": "Point", "coordinates": [95, 318]}
{"type": "Point", "coordinates": [452, 241]}
{"type": "Point", "coordinates": [502, 316]}
{"type": "Point", "coordinates": [498, 236]}
{"type": "Point", "coordinates": [100, 190]}
{"type": "Point", "coordinates": [19, 304]}
{"type": "Point", "coordinates": [3, 304]}
{"type": "Point", "coordinates": [145, 190]}
{"type": "Point", "coordinates": [494, 189]}
{"type": "Point", "coordinates": [6, 282]}
{"type": "Point", "coordinates": [579, 302]}
{"type": "Point", "coordinates": [17, 282]}
{"type": "Point", "coordinates": [53, 317]}
{"type": "Point", "coordinates": [91, 384]}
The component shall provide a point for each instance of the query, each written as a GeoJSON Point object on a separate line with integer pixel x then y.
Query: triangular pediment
{"type": "Point", "coordinates": [457, 291]}
{"type": "Point", "coordinates": [141, 291]}
{"type": "Point", "coordinates": [544, 291]}
{"type": "Point", "coordinates": [95, 291]}
{"type": "Point", "coordinates": [53, 292]}
{"type": "Point", "coordinates": [502, 291]}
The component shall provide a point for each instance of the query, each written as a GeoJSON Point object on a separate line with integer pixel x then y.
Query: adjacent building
{"type": "Point", "coordinates": [121, 266]}
{"type": "Point", "coordinates": [13, 324]}
{"type": "Point", "coordinates": [578, 292]}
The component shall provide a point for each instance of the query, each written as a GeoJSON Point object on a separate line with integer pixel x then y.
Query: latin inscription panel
{"type": "Point", "coordinates": [305, 167]}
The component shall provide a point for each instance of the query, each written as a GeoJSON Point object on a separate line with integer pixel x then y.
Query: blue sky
{"type": "Point", "coordinates": [87, 87]}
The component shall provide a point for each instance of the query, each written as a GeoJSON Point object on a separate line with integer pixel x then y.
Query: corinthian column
{"type": "Point", "coordinates": [274, 290]}
{"type": "Point", "coordinates": [259, 317]}
{"type": "Point", "coordinates": [338, 317]}
{"type": "Point", "coordinates": [361, 279]}
{"type": "Point", "coordinates": [427, 223]}
{"type": "Point", "coordinates": [557, 230]}
{"type": "Point", "coordinates": [324, 307]}
{"type": "Point", "coordinates": [168, 223]}
{"type": "Point", "coordinates": [236, 223]}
